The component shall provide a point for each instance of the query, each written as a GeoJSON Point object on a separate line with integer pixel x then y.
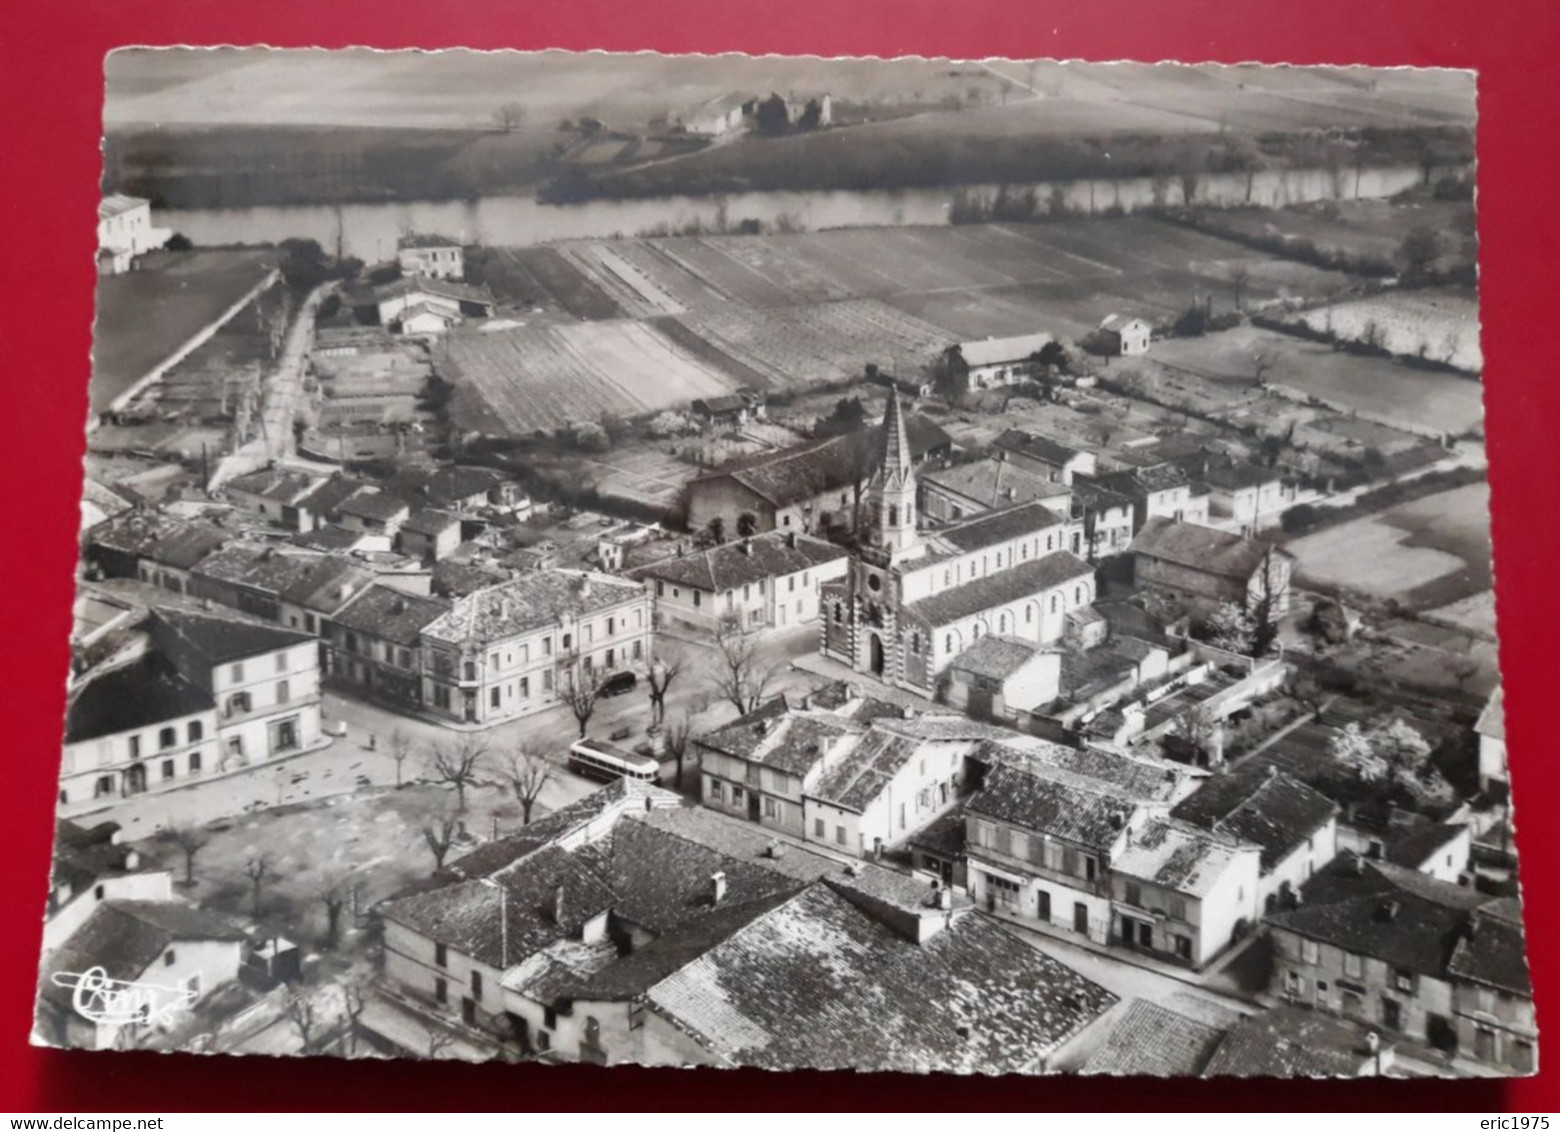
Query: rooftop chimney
{"type": "Point", "coordinates": [776, 850]}
{"type": "Point", "coordinates": [717, 887]}
{"type": "Point", "coordinates": [747, 547]}
{"type": "Point", "coordinates": [559, 905]}
{"type": "Point", "coordinates": [790, 540]}
{"type": "Point", "coordinates": [585, 585]}
{"type": "Point", "coordinates": [1388, 911]}
{"type": "Point", "coordinates": [1357, 865]}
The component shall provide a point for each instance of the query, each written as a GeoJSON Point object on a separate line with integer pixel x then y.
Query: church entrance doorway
{"type": "Point", "coordinates": [875, 654]}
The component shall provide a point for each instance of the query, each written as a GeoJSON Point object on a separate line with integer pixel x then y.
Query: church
{"type": "Point", "coordinates": [913, 600]}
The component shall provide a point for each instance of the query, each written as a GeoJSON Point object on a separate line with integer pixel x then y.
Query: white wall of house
{"type": "Point", "coordinates": [268, 705]}
{"type": "Point", "coordinates": [1294, 870]}
{"type": "Point", "coordinates": [156, 885]}
{"type": "Point", "coordinates": [98, 772]}
{"type": "Point", "coordinates": [437, 262]}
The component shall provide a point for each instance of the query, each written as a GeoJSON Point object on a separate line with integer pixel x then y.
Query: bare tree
{"type": "Point", "coordinates": [1200, 729]}
{"type": "Point", "coordinates": [439, 1039]}
{"type": "Point", "coordinates": [581, 688]}
{"type": "Point", "coordinates": [190, 840]}
{"type": "Point", "coordinates": [256, 869]}
{"type": "Point", "coordinates": [741, 676]}
{"type": "Point", "coordinates": [676, 737]}
{"type": "Point", "coordinates": [457, 763]}
{"type": "Point", "coordinates": [400, 750]}
{"type": "Point", "coordinates": [509, 117]}
{"type": "Point", "coordinates": [663, 671]}
{"type": "Point", "coordinates": [527, 773]}
{"type": "Point", "coordinates": [334, 892]}
{"type": "Point", "coordinates": [440, 837]}
{"type": "Point", "coordinates": [299, 1010]}
{"type": "Point", "coordinates": [354, 998]}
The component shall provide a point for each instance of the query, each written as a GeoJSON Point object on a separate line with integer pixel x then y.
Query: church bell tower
{"type": "Point", "coordinates": [891, 494]}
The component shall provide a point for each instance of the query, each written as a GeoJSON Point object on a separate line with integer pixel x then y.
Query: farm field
{"type": "Point", "coordinates": [144, 316]}
{"type": "Point", "coordinates": [1443, 325]}
{"type": "Point", "coordinates": [1427, 553]}
{"type": "Point", "coordinates": [969, 280]}
{"type": "Point", "coordinates": [552, 377]}
{"type": "Point", "coordinates": [644, 473]}
{"type": "Point", "coordinates": [1374, 386]}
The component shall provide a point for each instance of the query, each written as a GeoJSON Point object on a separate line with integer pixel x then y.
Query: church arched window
{"type": "Point", "coordinates": [839, 612]}
{"type": "Point", "coordinates": [1077, 595]}
{"type": "Point", "coordinates": [1054, 600]}
{"type": "Point", "coordinates": [1003, 624]}
{"type": "Point", "coordinates": [893, 514]}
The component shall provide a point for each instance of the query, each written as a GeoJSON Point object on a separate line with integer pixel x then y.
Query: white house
{"type": "Point", "coordinates": [90, 866]}
{"type": "Point", "coordinates": [999, 361]}
{"type": "Point", "coordinates": [1491, 730]}
{"type": "Point", "coordinates": [437, 257]}
{"type": "Point", "coordinates": [1126, 338]}
{"type": "Point", "coordinates": [125, 231]}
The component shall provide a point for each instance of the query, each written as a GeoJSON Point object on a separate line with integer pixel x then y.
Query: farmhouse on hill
{"type": "Point", "coordinates": [1125, 337]}
{"type": "Point", "coordinates": [437, 257]}
{"type": "Point", "coordinates": [990, 362]}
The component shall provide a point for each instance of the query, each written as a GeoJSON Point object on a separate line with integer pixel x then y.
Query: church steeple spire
{"type": "Point", "coordinates": [893, 490]}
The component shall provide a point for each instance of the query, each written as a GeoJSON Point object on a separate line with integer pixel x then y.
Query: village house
{"type": "Point", "coordinates": [1393, 948]}
{"type": "Point", "coordinates": [802, 489]}
{"type": "Point", "coordinates": [275, 494]}
{"type": "Point", "coordinates": [373, 511]}
{"type": "Point", "coordinates": [956, 491]}
{"type": "Point", "coordinates": [1183, 893]}
{"type": "Point", "coordinates": [308, 604]}
{"type": "Point", "coordinates": [152, 547]}
{"type": "Point", "coordinates": [998, 677]}
{"type": "Point", "coordinates": [429, 535]}
{"type": "Point", "coordinates": [1201, 563]}
{"type": "Point", "coordinates": [437, 257]}
{"type": "Point", "coordinates": [460, 489]}
{"type": "Point", "coordinates": [1295, 826]}
{"type": "Point", "coordinates": [125, 231]}
{"type": "Point", "coordinates": [847, 771]}
{"type": "Point", "coordinates": [1049, 822]}
{"type": "Point", "coordinates": [730, 411]}
{"type": "Point", "coordinates": [178, 953]}
{"type": "Point", "coordinates": [136, 728]}
{"type": "Point", "coordinates": [1241, 494]}
{"type": "Point", "coordinates": [715, 117]}
{"type": "Point", "coordinates": [89, 866]}
{"type": "Point", "coordinates": [767, 581]}
{"type": "Point", "coordinates": [990, 362]}
{"type": "Point", "coordinates": [373, 644]}
{"type": "Point", "coordinates": [432, 305]}
{"type": "Point", "coordinates": [1289, 1042]}
{"type": "Point", "coordinates": [1125, 338]}
{"type": "Point", "coordinates": [1109, 519]}
{"type": "Point", "coordinates": [595, 934]}
{"type": "Point", "coordinates": [318, 509]}
{"type": "Point", "coordinates": [503, 652]}
{"type": "Point", "coordinates": [264, 681]}
{"type": "Point", "coordinates": [250, 578]}
{"type": "Point", "coordinates": [1162, 490]}
{"type": "Point", "coordinates": [1058, 462]}
{"type": "Point", "coordinates": [1443, 850]}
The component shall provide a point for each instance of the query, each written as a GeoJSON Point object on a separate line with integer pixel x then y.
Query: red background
{"type": "Point", "coordinates": [51, 91]}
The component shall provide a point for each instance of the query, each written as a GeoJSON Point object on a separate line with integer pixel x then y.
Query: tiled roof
{"type": "Point", "coordinates": [995, 657]}
{"type": "Point", "coordinates": [165, 540]}
{"type": "Point", "coordinates": [1024, 580]}
{"type": "Point", "coordinates": [1179, 857]}
{"type": "Point", "coordinates": [1277, 812]}
{"type": "Point", "coordinates": [1290, 1042]}
{"type": "Point", "coordinates": [1202, 548]}
{"type": "Point", "coordinates": [278, 484]}
{"type": "Point", "coordinates": [328, 538]}
{"type": "Point", "coordinates": [391, 615]}
{"type": "Point", "coordinates": [224, 639]}
{"type": "Point", "coordinates": [1041, 448]}
{"type": "Point", "coordinates": [445, 486]}
{"type": "Point", "coordinates": [1416, 848]}
{"type": "Point", "coordinates": [1493, 952]}
{"type": "Point", "coordinates": [1092, 817]}
{"type": "Point", "coordinates": [531, 601]}
{"type": "Point", "coordinates": [499, 928]}
{"type": "Point", "coordinates": [324, 499]}
{"type": "Point", "coordinates": [143, 693]}
{"type": "Point", "coordinates": [1229, 475]}
{"type": "Point", "coordinates": [263, 568]}
{"type": "Point", "coordinates": [430, 522]}
{"type": "Point", "coordinates": [125, 937]}
{"type": "Point", "coordinates": [1403, 918]}
{"type": "Point", "coordinates": [328, 585]}
{"type": "Point", "coordinates": [373, 503]}
{"type": "Point", "coordinates": [854, 780]}
{"type": "Point", "coordinates": [995, 351]}
{"type": "Point", "coordinates": [991, 528]}
{"type": "Point", "coordinates": [1150, 1040]}
{"type": "Point", "coordinates": [426, 240]}
{"type": "Point", "coordinates": [743, 562]}
{"type": "Point", "coordinates": [1139, 483]}
{"type": "Point", "coordinates": [818, 983]}
{"type": "Point", "coordinates": [994, 483]}
{"type": "Point", "coordinates": [794, 744]}
{"type": "Point", "coordinates": [116, 203]}
{"type": "Point", "coordinates": [443, 288]}
{"type": "Point", "coordinates": [830, 465]}
{"type": "Point", "coordinates": [1127, 776]}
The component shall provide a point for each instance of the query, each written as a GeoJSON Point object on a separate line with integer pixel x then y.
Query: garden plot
{"type": "Point", "coordinates": [553, 377]}
{"type": "Point", "coordinates": [1436, 324]}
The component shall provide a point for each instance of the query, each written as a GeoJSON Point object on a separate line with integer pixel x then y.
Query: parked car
{"type": "Point", "coordinates": [619, 684]}
{"type": "Point", "coordinates": [620, 734]}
